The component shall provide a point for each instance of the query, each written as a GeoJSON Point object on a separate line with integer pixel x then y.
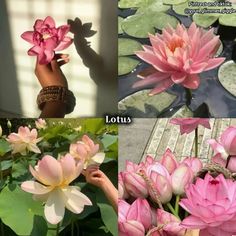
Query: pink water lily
{"type": "Point", "coordinates": [52, 186]}
{"type": "Point", "coordinates": [187, 125]}
{"type": "Point", "coordinates": [212, 205]}
{"type": "Point", "coordinates": [41, 123]}
{"type": "Point", "coordinates": [178, 56]}
{"type": "Point", "coordinates": [87, 151]}
{"type": "Point", "coordinates": [47, 38]}
{"type": "Point", "coordinates": [25, 140]}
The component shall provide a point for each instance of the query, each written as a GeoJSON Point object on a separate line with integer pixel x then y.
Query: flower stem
{"type": "Point", "coordinates": [72, 228]}
{"type": "Point", "coordinates": [172, 210]}
{"type": "Point", "coordinates": [196, 142]}
{"type": "Point", "coordinates": [188, 96]}
{"type": "Point", "coordinates": [177, 204]}
{"type": "Point", "coordinates": [58, 229]}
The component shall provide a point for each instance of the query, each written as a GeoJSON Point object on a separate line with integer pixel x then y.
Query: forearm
{"type": "Point", "coordinates": [53, 109]}
{"type": "Point", "coordinates": [111, 193]}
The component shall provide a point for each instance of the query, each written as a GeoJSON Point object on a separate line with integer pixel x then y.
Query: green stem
{"type": "Point", "coordinates": [72, 228]}
{"type": "Point", "coordinates": [172, 210]}
{"type": "Point", "coordinates": [2, 229]}
{"type": "Point", "coordinates": [188, 96]}
{"type": "Point", "coordinates": [58, 229]}
{"type": "Point", "coordinates": [196, 142]}
{"type": "Point", "coordinates": [177, 204]}
{"type": "Point", "coordinates": [1, 173]}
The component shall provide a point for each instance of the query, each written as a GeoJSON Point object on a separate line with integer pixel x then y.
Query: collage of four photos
{"type": "Point", "coordinates": [118, 118]}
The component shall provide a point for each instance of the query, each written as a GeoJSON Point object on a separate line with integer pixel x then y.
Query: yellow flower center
{"type": "Point", "coordinates": [46, 36]}
{"type": "Point", "coordinates": [175, 43]}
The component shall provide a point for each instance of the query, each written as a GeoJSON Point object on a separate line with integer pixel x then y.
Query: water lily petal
{"type": "Point", "coordinates": [49, 21]}
{"type": "Point", "coordinates": [28, 36]}
{"type": "Point", "coordinates": [65, 43]}
{"type": "Point", "coordinates": [35, 187]}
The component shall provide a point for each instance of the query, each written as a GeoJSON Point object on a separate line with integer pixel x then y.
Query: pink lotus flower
{"type": "Point", "coordinates": [41, 123]}
{"type": "Point", "coordinates": [187, 125]}
{"type": "Point", "coordinates": [181, 178]}
{"type": "Point", "coordinates": [23, 141]}
{"type": "Point", "coordinates": [194, 163]}
{"type": "Point", "coordinates": [52, 186]}
{"type": "Point", "coordinates": [87, 151]}
{"type": "Point", "coordinates": [122, 192]}
{"type": "Point", "coordinates": [47, 39]}
{"type": "Point", "coordinates": [128, 227]}
{"type": "Point", "coordinates": [178, 56]}
{"type": "Point", "coordinates": [212, 205]}
{"type": "Point", "coordinates": [169, 161]}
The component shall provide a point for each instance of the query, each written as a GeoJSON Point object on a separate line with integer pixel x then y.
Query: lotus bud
{"type": "Point", "coordinates": [122, 192]}
{"type": "Point", "coordinates": [9, 124]}
{"type": "Point", "coordinates": [0, 130]}
{"type": "Point", "coordinates": [169, 161]}
{"type": "Point", "coordinates": [181, 178]}
{"type": "Point", "coordinates": [135, 185]}
{"type": "Point", "coordinates": [194, 163]}
{"type": "Point", "coordinates": [140, 211]}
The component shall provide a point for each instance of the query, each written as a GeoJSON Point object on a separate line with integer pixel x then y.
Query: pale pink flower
{"type": "Point", "coordinates": [212, 205]}
{"type": "Point", "coordinates": [129, 221]}
{"type": "Point", "coordinates": [181, 178]}
{"type": "Point", "coordinates": [169, 161]}
{"type": "Point", "coordinates": [122, 192]}
{"type": "Point", "coordinates": [187, 125]}
{"type": "Point", "coordinates": [194, 163]}
{"type": "Point", "coordinates": [47, 38]}
{"type": "Point", "coordinates": [23, 141]}
{"type": "Point", "coordinates": [41, 123]}
{"type": "Point", "coordinates": [52, 186]}
{"type": "Point", "coordinates": [178, 56]}
{"type": "Point", "coordinates": [87, 151]}
{"type": "Point", "coordinates": [225, 147]}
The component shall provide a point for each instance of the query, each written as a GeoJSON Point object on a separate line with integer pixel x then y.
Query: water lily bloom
{"type": "Point", "coordinates": [187, 125]}
{"type": "Point", "coordinates": [46, 39]}
{"type": "Point", "coordinates": [212, 205]}
{"type": "Point", "coordinates": [40, 123]}
{"type": "Point", "coordinates": [169, 161]}
{"type": "Point", "coordinates": [52, 186]}
{"type": "Point", "coordinates": [87, 151]}
{"type": "Point", "coordinates": [181, 178]}
{"type": "Point", "coordinates": [178, 56]}
{"type": "Point", "coordinates": [23, 141]}
{"type": "Point", "coordinates": [128, 227]}
{"type": "Point", "coordinates": [225, 147]}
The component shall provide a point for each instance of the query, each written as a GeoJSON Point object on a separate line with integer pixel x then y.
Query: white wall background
{"type": "Point", "coordinates": [96, 92]}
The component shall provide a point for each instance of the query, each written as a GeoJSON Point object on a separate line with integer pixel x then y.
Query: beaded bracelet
{"type": "Point", "coordinates": [56, 93]}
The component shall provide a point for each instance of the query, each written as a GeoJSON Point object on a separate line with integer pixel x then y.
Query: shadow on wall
{"type": "Point", "coordinates": [103, 67]}
{"type": "Point", "coordinates": [9, 93]}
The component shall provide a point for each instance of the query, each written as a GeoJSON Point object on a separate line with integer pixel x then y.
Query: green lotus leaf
{"type": "Point", "coordinates": [140, 25]}
{"type": "Point", "coordinates": [120, 20]}
{"type": "Point", "coordinates": [228, 20]}
{"type": "Point", "coordinates": [133, 3]}
{"type": "Point", "coordinates": [204, 20]}
{"type": "Point", "coordinates": [126, 65]}
{"type": "Point", "coordinates": [128, 46]}
{"type": "Point", "coordinates": [174, 2]}
{"type": "Point", "coordinates": [156, 6]}
{"type": "Point", "coordinates": [227, 76]}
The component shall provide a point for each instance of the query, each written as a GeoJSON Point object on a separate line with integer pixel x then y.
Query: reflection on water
{"type": "Point", "coordinates": [219, 101]}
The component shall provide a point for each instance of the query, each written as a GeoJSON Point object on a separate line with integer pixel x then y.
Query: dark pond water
{"type": "Point", "coordinates": [210, 99]}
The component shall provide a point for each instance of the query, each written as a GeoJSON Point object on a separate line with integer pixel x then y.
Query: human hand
{"type": "Point", "coordinates": [51, 74]}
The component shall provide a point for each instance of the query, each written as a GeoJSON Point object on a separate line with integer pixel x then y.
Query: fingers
{"type": "Point", "coordinates": [59, 60]}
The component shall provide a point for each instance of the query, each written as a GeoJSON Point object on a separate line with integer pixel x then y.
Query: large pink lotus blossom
{"type": "Point", "coordinates": [212, 205]}
{"type": "Point", "coordinates": [52, 186]}
{"type": "Point", "coordinates": [23, 141]}
{"type": "Point", "coordinates": [225, 147]}
{"type": "Point", "coordinates": [47, 39]}
{"type": "Point", "coordinates": [187, 125]}
{"type": "Point", "coordinates": [87, 151]}
{"type": "Point", "coordinates": [178, 56]}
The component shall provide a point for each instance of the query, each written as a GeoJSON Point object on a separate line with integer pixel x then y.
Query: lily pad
{"type": "Point", "coordinates": [128, 46]}
{"type": "Point", "coordinates": [120, 20]}
{"type": "Point", "coordinates": [126, 65]}
{"type": "Point", "coordinates": [144, 5]}
{"type": "Point", "coordinates": [183, 112]}
{"type": "Point", "coordinates": [228, 20]}
{"type": "Point", "coordinates": [140, 104]}
{"type": "Point", "coordinates": [174, 2]}
{"type": "Point", "coordinates": [140, 25]}
{"type": "Point", "coordinates": [204, 20]}
{"type": "Point", "coordinates": [227, 76]}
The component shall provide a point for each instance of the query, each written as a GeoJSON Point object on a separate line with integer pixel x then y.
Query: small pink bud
{"type": "Point", "coordinates": [169, 161]}
{"type": "Point", "coordinates": [194, 163]}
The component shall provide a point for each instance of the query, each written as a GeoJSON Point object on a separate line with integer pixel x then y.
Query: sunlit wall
{"type": "Point", "coordinates": [90, 91]}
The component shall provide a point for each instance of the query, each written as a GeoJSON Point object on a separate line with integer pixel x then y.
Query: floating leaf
{"type": "Point", "coordinates": [173, 2]}
{"type": "Point", "coordinates": [156, 6]}
{"type": "Point", "coordinates": [204, 20]}
{"type": "Point", "coordinates": [126, 65]}
{"type": "Point", "coordinates": [183, 112]}
{"type": "Point", "coordinates": [140, 25]}
{"type": "Point", "coordinates": [17, 210]}
{"type": "Point", "coordinates": [6, 164]}
{"type": "Point", "coordinates": [128, 46]}
{"type": "Point", "coordinates": [142, 104]}
{"type": "Point", "coordinates": [120, 20]}
{"type": "Point", "coordinates": [228, 20]}
{"type": "Point", "coordinates": [4, 147]}
{"type": "Point", "coordinates": [227, 76]}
